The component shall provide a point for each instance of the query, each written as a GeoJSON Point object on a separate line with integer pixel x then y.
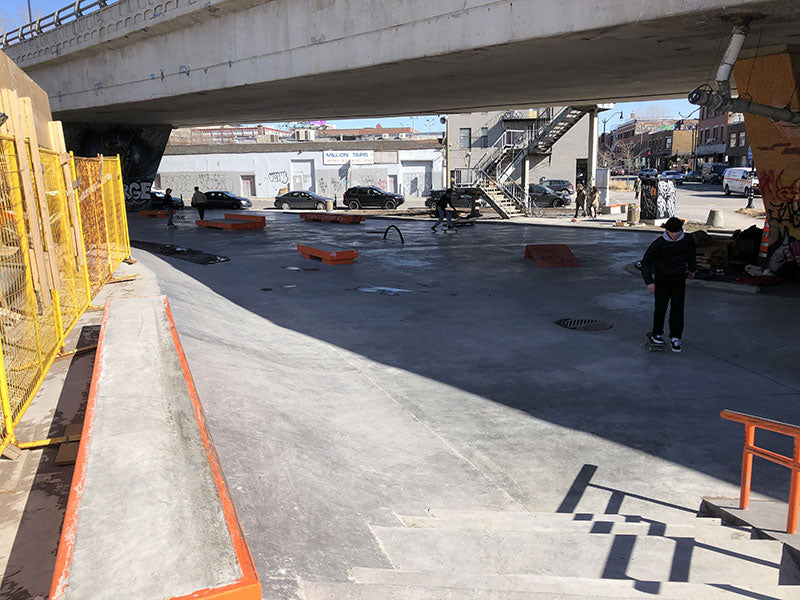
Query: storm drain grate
{"type": "Point", "coordinates": [584, 324]}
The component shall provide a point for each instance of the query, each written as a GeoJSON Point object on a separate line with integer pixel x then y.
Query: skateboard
{"type": "Point", "coordinates": [652, 346]}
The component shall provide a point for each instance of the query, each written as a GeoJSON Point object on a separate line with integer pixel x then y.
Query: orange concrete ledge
{"type": "Point", "coordinates": [333, 218]}
{"type": "Point", "coordinates": [102, 512]}
{"type": "Point", "coordinates": [231, 225]}
{"type": "Point", "coordinates": [149, 214]}
{"type": "Point", "coordinates": [253, 218]}
{"type": "Point", "coordinates": [330, 255]}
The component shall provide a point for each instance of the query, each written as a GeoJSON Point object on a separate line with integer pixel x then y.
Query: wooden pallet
{"type": "Point", "coordinates": [332, 218]}
{"type": "Point", "coordinates": [330, 255]}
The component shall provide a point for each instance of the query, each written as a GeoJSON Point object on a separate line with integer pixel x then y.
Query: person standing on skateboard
{"type": "Point", "coordinates": [445, 200]}
{"type": "Point", "coordinates": [664, 268]}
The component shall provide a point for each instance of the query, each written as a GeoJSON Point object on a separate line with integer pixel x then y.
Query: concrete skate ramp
{"type": "Point", "coordinates": [149, 515]}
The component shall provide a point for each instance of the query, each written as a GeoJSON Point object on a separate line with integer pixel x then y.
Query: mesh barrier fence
{"type": "Point", "coordinates": [55, 255]}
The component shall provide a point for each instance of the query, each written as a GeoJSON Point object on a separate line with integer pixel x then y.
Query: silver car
{"type": "Point", "coordinates": [675, 177]}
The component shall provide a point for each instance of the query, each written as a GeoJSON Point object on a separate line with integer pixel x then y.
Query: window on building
{"type": "Point", "coordinates": [742, 139]}
{"type": "Point", "coordinates": [714, 133]}
{"type": "Point", "coordinates": [668, 142]}
{"type": "Point", "coordinates": [465, 137]}
{"type": "Point", "coordinates": [708, 131]}
{"type": "Point", "coordinates": [484, 137]}
{"type": "Point", "coordinates": [733, 140]}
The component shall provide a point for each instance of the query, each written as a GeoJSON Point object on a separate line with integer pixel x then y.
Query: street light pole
{"type": "Point", "coordinates": [606, 120]}
{"type": "Point", "coordinates": [30, 14]}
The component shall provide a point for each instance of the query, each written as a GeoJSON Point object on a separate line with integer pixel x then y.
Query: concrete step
{"type": "Point", "coordinates": [649, 558]}
{"type": "Point", "coordinates": [356, 591]}
{"type": "Point", "coordinates": [576, 586]}
{"type": "Point", "coordinates": [600, 526]}
{"type": "Point", "coordinates": [505, 519]}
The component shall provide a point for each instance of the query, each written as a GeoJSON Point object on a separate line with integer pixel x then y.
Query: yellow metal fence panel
{"type": "Point", "coordinates": [79, 250]}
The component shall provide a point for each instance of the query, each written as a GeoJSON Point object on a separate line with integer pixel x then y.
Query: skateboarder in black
{"type": "Point", "coordinates": [445, 200]}
{"type": "Point", "coordinates": [664, 268]}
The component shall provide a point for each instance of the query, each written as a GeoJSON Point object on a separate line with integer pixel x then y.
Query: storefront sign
{"type": "Point", "coordinates": [343, 157]}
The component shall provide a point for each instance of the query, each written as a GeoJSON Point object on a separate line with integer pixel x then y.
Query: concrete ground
{"type": "Point", "coordinates": [693, 202]}
{"type": "Point", "coordinates": [431, 375]}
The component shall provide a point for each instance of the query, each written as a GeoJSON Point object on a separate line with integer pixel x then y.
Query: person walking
{"type": "Point", "coordinates": [580, 200]}
{"type": "Point", "coordinates": [664, 270]}
{"type": "Point", "coordinates": [169, 206]}
{"type": "Point", "coordinates": [199, 202]}
{"type": "Point", "coordinates": [593, 201]}
{"type": "Point", "coordinates": [445, 200]}
{"type": "Point", "coordinates": [636, 184]}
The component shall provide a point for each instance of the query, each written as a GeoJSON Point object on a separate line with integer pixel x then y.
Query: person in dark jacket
{"type": "Point", "coordinates": [169, 206]}
{"type": "Point", "coordinates": [580, 201]}
{"type": "Point", "coordinates": [664, 268]}
{"type": "Point", "coordinates": [445, 200]}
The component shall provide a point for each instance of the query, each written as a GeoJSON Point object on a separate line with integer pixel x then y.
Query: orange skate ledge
{"type": "Point", "coordinates": [330, 255]}
{"type": "Point", "coordinates": [149, 514]}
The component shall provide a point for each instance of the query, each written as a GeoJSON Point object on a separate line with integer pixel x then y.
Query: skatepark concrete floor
{"type": "Point", "coordinates": [429, 374]}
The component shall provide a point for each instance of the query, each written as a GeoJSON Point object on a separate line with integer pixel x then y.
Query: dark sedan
{"type": "Point", "coordinates": [301, 199]}
{"type": "Point", "coordinates": [369, 196]}
{"type": "Point", "coordinates": [544, 196]}
{"type": "Point", "coordinates": [157, 200]}
{"type": "Point", "coordinates": [218, 199]}
{"type": "Point", "coordinates": [562, 186]}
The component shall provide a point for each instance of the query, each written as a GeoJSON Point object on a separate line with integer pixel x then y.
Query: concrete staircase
{"type": "Point", "coordinates": [486, 555]}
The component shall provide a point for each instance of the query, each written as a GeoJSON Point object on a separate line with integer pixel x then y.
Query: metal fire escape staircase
{"type": "Point", "coordinates": [493, 174]}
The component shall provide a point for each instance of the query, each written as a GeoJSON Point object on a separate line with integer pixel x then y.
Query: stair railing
{"type": "Point", "coordinates": [538, 141]}
{"type": "Point", "coordinates": [752, 423]}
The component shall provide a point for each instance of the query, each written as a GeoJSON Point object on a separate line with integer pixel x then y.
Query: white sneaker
{"type": "Point", "coordinates": [675, 344]}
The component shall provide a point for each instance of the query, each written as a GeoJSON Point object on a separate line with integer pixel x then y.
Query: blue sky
{"type": "Point", "coordinates": [15, 12]}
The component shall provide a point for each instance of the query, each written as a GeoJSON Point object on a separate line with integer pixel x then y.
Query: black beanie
{"type": "Point", "coordinates": [673, 224]}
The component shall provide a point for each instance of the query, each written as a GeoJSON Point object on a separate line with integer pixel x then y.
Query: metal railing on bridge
{"type": "Point", "coordinates": [62, 16]}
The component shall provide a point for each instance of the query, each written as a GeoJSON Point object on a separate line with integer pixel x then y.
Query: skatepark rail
{"type": "Point", "coordinates": [751, 423]}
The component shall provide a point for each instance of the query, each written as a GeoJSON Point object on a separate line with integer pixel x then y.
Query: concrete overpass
{"type": "Point", "coordinates": [192, 62]}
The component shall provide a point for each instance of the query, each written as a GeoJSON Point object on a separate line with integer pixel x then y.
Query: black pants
{"type": "Point", "coordinates": [201, 210]}
{"type": "Point", "coordinates": [670, 290]}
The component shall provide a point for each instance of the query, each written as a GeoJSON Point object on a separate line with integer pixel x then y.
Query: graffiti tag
{"type": "Point", "coordinates": [278, 177]}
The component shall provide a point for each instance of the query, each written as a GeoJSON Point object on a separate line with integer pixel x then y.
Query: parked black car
{"type": "Point", "coordinates": [157, 200]}
{"type": "Point", "coordinates": [301, 199]}
{"type": "Point", "coordinates": [462, 198]}
{"type": "Point", "coordinates": [369, 196]}
{"type": "Point", "coordinates": [545, 196]}
{"type": "Point", "coordinates": [695, 176]}
{"type": "Point", "coordinates": [559, 185]}
{"type": "Point", "coordinates": [219, 199]}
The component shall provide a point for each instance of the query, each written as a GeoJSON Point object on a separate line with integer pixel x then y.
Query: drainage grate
{"type": "Point", "coordinates": [584, 324]}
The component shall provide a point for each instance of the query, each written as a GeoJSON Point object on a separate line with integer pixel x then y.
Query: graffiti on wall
{"type": "Point", "coordinates": [184, 183]}
{"type": "Point", "coordinates": [281, 177]}
{"type": "Point", "coordinates": [331, 183]}
{"type": "Point", "coordinates": [140, 149]}
{"type": "Point", "coordinates": [781, 196]}
{"type": "Point", "coordinates": [658, 201]}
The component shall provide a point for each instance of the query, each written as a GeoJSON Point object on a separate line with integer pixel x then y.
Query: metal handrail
{"type": "Point", "coordinates": [751, 423]}
{"type": "Point", "coordinates": [62, 16]}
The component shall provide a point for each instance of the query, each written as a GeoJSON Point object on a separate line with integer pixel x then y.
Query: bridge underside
{"type": "Point", "coordinates": [651, 59]}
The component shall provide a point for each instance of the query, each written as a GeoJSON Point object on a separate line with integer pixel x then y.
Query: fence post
{"type": "Point", "coordinates": [794, 491]}
{"type": "Point", "coordinates": [747, 465]}
{"type": "Point", "coordinates": [124, 210]}
{"type": "Point", "coordinates": [5, 403]}
{"type": "Point", "coordinates": [58, 323]}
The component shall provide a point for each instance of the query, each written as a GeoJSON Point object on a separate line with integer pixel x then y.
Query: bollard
{"type": "Point", "coordinates": [329, 205]}
{"type": "Point", "coordinates": [749, 197]}
{"type": "Point", "coordinates": [715, 218]}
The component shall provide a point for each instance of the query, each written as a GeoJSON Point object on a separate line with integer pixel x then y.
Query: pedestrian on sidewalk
{"type": "Point", "coordinates": [169, 206]}
{"type": "Point", "coordinates": [199, 202]}
{"type": "Point", "coordinates": [445, 200]}
{"type": "Point", "coordinates": [664, 269]}
{"type": "Point", "coordinates": [580, 200]}
{"type": "Point", "coordinates": [593, 201]}
{"type": "Point", "coordinates": [636, 184]}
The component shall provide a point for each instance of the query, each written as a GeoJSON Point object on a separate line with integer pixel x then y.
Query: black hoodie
{"type": "Point", "coordinates": [666, 256]}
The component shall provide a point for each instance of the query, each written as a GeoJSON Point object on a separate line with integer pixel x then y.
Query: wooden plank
{"type": "Point", "coordinates": [551, 255]}
{"type": "Point", "coordinates": [59, 145]}
{"type": "Point", "coordinates": [10, 106]}
{"type": "Point", "coordinates": [29, 131]}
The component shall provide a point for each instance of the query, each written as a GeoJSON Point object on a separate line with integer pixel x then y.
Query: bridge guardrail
{"type": "Point", "coordinates": [62, 16]}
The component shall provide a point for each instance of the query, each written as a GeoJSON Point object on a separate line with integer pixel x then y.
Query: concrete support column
{"type": "Point", "coordinates": [771, 78]}
{"type": "Point", "coordinates": [526, 169]}
{"type": "Point", "coordinates": [591, 166]}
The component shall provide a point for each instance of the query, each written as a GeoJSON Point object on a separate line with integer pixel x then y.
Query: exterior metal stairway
{"type": "Point", "coordinates": [493, 174]}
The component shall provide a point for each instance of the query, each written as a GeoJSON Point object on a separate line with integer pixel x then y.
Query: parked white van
{"type": "Point", "coordinates": [739, 180]}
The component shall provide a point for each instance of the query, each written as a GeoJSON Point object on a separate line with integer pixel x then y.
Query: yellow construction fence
{"type": "Point", "coordinates": [63, 232]}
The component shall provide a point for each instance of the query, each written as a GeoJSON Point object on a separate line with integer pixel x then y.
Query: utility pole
{"type": "Point", "coordinates": [30, 14]}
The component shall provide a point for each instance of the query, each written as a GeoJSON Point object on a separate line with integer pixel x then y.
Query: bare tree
{"type": "Point", "coordinates": [626, 153]}
{"type": "Point", "coordinates": [653, 111]}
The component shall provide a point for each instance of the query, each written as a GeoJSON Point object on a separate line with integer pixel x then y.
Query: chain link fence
{"type": "Point", "coordinates": [57, 249]}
